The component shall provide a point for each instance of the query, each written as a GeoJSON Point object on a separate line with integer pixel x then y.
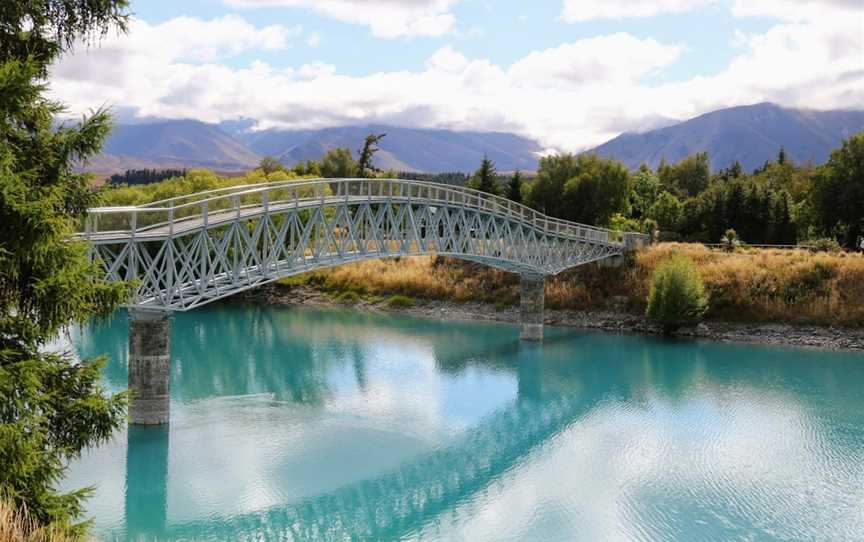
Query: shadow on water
{"type": "Point", "coordinates": [236, 350]}
{"type": "Point", "coordinates": [146, 488]}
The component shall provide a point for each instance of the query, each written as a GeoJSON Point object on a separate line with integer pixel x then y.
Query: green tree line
{"type": "Point", "coordinates": [779, 203]}
{"type": "Point", "coordinates": [144, 176]}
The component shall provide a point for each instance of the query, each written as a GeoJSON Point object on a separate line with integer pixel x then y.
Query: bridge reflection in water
{"type": "Point", "coordinates": [304, 360]}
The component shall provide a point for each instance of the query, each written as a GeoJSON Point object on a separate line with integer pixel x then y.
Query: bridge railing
{"type": "Point", "coordinates": [169, 216]}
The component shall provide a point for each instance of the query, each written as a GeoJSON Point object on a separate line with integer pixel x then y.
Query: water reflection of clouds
{"type": "Point", "coordinates": [289, 405]}
{"type": "Point", "coordinates": [649, 473]}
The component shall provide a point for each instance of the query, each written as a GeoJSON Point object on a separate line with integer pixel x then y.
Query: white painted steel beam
{"type": "Point", "coordinates": [188, 251]}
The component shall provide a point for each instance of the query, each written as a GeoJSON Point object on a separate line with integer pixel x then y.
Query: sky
{"type": "Point", "coordinates": [569, 73]}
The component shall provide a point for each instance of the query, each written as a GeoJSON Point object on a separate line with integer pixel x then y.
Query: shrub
{"type": "Point", "coordinates": [730, 240]}
{"type": "Point", "coordinates": [677, 297]}
{"type": "Point", "coordinates": [348, 298]}
{"type": "Point", "coordinates": [823, 245]}
{"type": "Point", "coordinates": [400, 302]}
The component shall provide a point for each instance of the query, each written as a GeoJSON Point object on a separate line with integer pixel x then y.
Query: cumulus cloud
{"type": "Point", "coordinates": [799, 10]}
{"type": "Point", "coordinates": [586, 10]}
{"type": "Point", "coordinates": [617, 59]}
{"type": "Point", "coordinates": [386, 18]}
{"type": "Point", "coordinates": [569, 97]}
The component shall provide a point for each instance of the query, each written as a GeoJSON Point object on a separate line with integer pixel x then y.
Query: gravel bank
{"type": "Point", "coordinates": [808, 336]}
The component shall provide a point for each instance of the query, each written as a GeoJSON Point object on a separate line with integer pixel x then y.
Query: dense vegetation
{"type": "Point", "coordinates": [51, 405]}
{"type": "Point", "coordinates": [780, 203]}
{"type": "Point", "coordinates": [144, 176]}
{"type": "Point", "coordinates": [748, 284]}
{"type": "Point", "coordinates": [456, 178]}
{"type": "Point", "coordinates": [195, 180]}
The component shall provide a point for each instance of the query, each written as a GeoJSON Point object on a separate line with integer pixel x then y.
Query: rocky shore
{"type": "Point", "coordinates": [808, 336]}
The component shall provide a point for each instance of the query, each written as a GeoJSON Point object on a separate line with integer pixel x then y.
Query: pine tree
{"type": "Point", "coordinates": [51, 405]}
{"type": "Point", "coordinates": [370, 147]}
{"type": "Point", "coordinates": [783, 231]}
{"type": "Point", "coordinates": [514, 187]}
{"type": "Point", "coordinates": [486, 178]}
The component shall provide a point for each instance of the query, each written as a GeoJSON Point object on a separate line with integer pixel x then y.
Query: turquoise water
{"type": "Point", "coordinates": [313, 424]}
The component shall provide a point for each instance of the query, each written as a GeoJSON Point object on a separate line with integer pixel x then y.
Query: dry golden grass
{"type": "Point", "coordinates": [17, 526]}
{"type": "Point", "coordinates": [748, 284]}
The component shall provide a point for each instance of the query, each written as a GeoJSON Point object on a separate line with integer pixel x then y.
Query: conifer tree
{"type": "Point", "coordinates": [486, 178]}
{"type": "Point", "coordinates": [514, 187]}
{"type": "Point", "coordinates": [51, 405]}
{"type": "Point", "coordinates": [370, 147]}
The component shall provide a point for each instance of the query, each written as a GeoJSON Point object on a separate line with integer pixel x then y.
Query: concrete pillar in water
{"type": "Point", "coordinates": [149, 364]}
{"type": "Point", "coordinates": [532, 290]}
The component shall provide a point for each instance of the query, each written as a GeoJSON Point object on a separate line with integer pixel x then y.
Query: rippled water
{"type": "Point", "coordinates": [301, 424]}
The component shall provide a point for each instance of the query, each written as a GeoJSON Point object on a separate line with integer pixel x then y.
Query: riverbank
{"type": "Point", "coordinates": [783, 334]}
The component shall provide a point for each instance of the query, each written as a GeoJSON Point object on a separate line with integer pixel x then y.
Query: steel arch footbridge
{"type": "Point", "coordinates": [187, 251]}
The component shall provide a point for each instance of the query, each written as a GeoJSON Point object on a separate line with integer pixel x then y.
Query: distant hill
{"type": "Point", "coordinates": [231, 147]}
{"type": "Point", "coordinates": [750, 134]}
{"type": "Point", "coordinates": [174, 144]}
{"type": "Point", "coordinates": [406, 149]}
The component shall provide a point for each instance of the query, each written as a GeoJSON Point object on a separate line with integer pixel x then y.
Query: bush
{"type": "Point", "coordinates": [348, 298]}
{"type": "Point", "coordinates": [823, 245]}
{"type": "Point", "coordinates": [677, 297]}
{"type": "Point", "coordinates": [730, 240]}
{"type": "Point", "coordinates": [400, 302]}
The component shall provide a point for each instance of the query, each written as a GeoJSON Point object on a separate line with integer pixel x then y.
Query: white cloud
{"type": "Point", "coordinates": [387, 18]}
{"type": "Point", "coordinates": [569, 97]}
{"type": "Point", "coordinates": [586, 10]}
{"type": "Point", "coordinates": [447, 59]}
{"type": "Point", "coordinates": [799, 10]}
{"type": "Point", "coordinates": [617, 59]}
{"type": "Point", "coordinates": [314, 40]}
{"type": "Point", "coordinates": [316, 70]}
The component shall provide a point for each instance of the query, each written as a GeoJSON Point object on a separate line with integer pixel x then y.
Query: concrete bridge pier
{"type": "Point", "coordinates": [532, 290]}
{"type": "Point", "coordinates": [149, 366]}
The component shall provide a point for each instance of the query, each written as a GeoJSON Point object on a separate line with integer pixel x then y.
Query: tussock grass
{"type": "Point", "coordinates": [16, 525]}
{"type": "Point", "coordinates": [400, 302]}
{"type": "Point", "coordinates": [746, 284]}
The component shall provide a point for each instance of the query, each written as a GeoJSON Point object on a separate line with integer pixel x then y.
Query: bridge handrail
{"type": "Point", "coordinates": [208, 201]}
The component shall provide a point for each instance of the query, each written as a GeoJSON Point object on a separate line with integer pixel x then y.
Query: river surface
{"type": "Point", "coordinates": [327, 424]}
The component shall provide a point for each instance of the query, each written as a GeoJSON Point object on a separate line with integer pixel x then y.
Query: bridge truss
{"type": "Point", "coordinates": [187, 251]}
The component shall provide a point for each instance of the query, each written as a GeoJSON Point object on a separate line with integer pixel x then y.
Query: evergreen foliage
{"type": "Point", "coordinates": [677, 297]}
{"type": "Point", "coordinates": [455, 178]}
{"type": "Point", "coordinates": [144, 176]}
{"type": "Point", "coordinates": [51, 405]}
{"type": "Point", "coordinates": [370, 147]}
{"type": "Point", "coordinates": [485, 178]}
{"type": "Point", "coordinates": [514, 187]}
{"type": "Point", "coordinates": [838, 193]}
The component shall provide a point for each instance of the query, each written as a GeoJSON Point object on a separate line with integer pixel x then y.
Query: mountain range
{"type": "Point", "coordinates": [750, 134]}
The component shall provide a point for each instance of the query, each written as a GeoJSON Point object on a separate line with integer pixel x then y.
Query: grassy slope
{"type": "Point", "coordinates": [749, 284]}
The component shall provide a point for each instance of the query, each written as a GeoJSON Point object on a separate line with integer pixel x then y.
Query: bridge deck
{"type": "Point", "coordinates": [187, 251]}
{"type": "Point", "coordinates": [185, 225]}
